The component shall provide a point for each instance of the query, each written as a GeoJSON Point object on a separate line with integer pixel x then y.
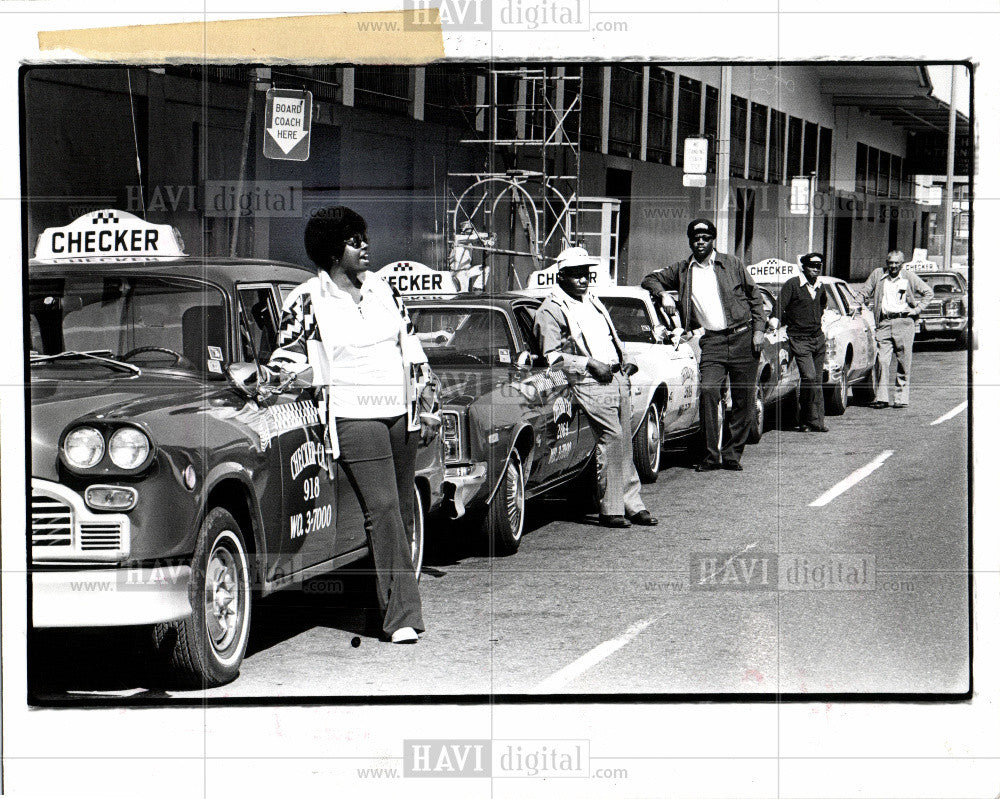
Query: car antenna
{"type": "Point", "coordinates": [135, 138]}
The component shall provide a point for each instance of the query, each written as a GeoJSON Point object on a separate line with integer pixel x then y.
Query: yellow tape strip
{"type": "Point", "coordinates": [396, 37]}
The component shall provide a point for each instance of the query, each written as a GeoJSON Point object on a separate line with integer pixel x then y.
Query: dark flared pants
{"type": "Point", "coordinates": [725, 354]}
{"type": "Point", "coordinates": [379, 456]}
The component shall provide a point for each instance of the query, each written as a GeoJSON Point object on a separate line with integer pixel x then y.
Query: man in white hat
{"type": "Point", "coordinates": [577, 336]}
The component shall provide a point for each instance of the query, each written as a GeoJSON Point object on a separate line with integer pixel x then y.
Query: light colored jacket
{"type": "Point", "coordinates": [300, 344]}
{"type": "Point", "coordinates": [918, 293]}
{"type": "Point", "coordinates": [562, 340]}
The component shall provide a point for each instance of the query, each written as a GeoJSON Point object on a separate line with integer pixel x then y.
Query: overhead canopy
{"type": "Point", "coordinates": [900, 94]}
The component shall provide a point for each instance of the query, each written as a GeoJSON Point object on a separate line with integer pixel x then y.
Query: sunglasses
{"type": "Point", "coordinates": [357, 240]}
{"type": "Point", "coordinates": [702, 236]}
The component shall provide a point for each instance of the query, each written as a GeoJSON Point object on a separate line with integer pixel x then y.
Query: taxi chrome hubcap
{"type": "Point", "coordinates": [222, 597]}
{"type": "Point", "coordinates": [515, 498]}
{"type": "Point", "coordinates": [653, 437]}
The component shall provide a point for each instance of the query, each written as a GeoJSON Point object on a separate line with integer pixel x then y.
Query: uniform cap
{"type": "Point", "coordinates": [701, 226]}
{"type": "Point", "coordinates": [811, 259]}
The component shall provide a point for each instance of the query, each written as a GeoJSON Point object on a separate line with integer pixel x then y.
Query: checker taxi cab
{"type": "Point", "coordinates": [161, 471]}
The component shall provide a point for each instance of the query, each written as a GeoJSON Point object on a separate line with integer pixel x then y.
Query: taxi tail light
{"type": "Point", "coordinates": [451, 435]}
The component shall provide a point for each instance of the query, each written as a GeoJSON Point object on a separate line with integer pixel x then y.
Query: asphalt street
{"type": "Point", "coordinates": [753, 582]}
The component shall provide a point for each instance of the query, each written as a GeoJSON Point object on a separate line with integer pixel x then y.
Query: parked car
{"type": "Point", "coordinates": [777, 375]}
{"type": "Point", "coordinates": [947, 315]}
{"type": "Point", "coordinates": [511, 428]}
{"type": "Point", "coordinates": [160, 468]}
{"type": "Point", "coordinates": [665, 389]}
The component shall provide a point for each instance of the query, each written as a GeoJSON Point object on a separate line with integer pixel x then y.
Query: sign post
{"type": "Point", "coordinates": [287, 124]}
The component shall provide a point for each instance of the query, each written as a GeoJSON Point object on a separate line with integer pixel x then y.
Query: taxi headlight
{"type": "Point", "coordinates": [128, 448]}
{"type": "Point", "coordinates": [953, 308]}
{"type": "Point", "coordinates": [83, 447]}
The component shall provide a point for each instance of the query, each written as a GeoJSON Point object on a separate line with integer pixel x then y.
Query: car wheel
{"type": "Point", "coordinates": [962, 340]}
{"type": "Point", "coordinates": [788, 409]}
{"type": "Point", "coordinates": [206, 649]}
{"type": "Point", "coordinates": [836, 395]}
{"type": "Point", "coordinates": [757, 418]}
{"type": "Point", "coordinates": [646, 445]}
{"type": "Point", "coordinates": [504, 522]}
{"type": "Point", "coordinates": [417, 544]}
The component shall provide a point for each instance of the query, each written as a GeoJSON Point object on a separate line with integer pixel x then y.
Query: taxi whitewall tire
{"type": "Point", "coordinates": [837, 393]}
{"type": "Point", "coordinates": [646, 445]}
{"type": "Point", "coordinates": [504, 521]}
{"type": "Point", "coordinates": [756, 431]}
{"type": "Point", "coordinates": [207, 648]}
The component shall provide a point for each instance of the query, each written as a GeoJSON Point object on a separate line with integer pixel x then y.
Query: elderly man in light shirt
{"type": "Point", "coordinates": [718, 294]}
{"type": "Point", "coordinates": [577, 335]}
{"type": "Point", "coordinates": [897, 297]}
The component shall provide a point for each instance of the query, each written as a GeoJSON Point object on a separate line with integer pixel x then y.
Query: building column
{"type": "Point", "coordinates": [722, 157]}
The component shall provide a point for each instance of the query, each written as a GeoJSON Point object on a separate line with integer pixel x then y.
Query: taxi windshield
{"type": "Point", "coordinates": [943, 284]}
{"type": "Point", "coordinates": [631, 319]}
{"type": "Point", "coordinates": [464, 336]}
{"type": "Point", "coordinates": [149, 322]}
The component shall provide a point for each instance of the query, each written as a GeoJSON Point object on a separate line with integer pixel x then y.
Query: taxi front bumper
{"type": "Point", "coordinates": [110, 597]}
{"type": "Point", "coordinates": [941, 324]}
{"type": "Point", "coordinates": [462, 485]}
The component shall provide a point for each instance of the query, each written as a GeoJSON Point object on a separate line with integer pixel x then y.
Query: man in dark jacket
{"type": "Point", "coordinates": [801, 303]}
{"type": "Point", "coordinates": [718, 294]}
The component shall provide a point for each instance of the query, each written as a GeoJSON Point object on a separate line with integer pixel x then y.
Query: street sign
{"type": "Point", "coordinates": [694, 181]}
{"type": "Point", "coordinates": [800, 199]}
{"type": "Point", "coordinates": [695, 155]}
{"type": "Point", "coordinates": [287, 124]}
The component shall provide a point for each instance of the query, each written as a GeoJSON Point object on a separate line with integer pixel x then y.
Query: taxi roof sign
{"type": "Point", "coordinates": [773, 270]}
{"type": "Point", "coordinates": [411, 278]}
{"type": "Point", "coordinates": [108, 235]}
{"type": "Point", "coordinates": [600, 275]}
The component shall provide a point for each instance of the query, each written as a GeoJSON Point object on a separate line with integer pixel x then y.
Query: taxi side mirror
{"type": "Point", "coordinates": [660, 333]}
{"type": "Point", "coordinates": [773, 323]}
{"type": "Point", "coordinates": [244, 377]}
{"type": "Point", "coordinates": [524, 360]}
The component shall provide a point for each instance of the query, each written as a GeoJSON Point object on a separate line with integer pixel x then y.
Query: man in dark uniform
{"type": "Point", "coordinates": [801, 303]}
{"type": "Point", "coordinates": [718, 294]}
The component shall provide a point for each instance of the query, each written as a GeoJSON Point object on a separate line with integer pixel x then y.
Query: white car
{"type": "Point", "coordinates": [850, 344]}
{"type": "Point", "coordinates": [665, 389]}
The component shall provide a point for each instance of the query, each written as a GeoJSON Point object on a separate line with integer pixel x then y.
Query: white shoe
{"type": "Point", "coordinates": [405, 635]}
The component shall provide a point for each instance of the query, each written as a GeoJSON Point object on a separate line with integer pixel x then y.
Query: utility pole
{"type": "Point", "coordinates": [949, 184]}
{"type": "Point", "coordinates": [722, 160]}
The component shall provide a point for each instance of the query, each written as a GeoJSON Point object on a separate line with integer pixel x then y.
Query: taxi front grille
{"type": "Point", "coordinates": [98, 537]}
{"type": "Point", "coordinates": [934, 308]}
{"type": "Point", "coordinates": [51, 522]}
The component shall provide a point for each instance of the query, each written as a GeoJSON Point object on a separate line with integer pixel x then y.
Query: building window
{"type": "Point", "coordinates": [385, 89]}
{"type": "Point", "coordinates": [712, 124]}
{"type": "Point", "coordinates": [590, 107]}
{"type": "Point", "coordinates": [895, 176]}
{"type": "Point", "coordinates": [809, 148]}
{"type": "Point", "coordinates": [738, 137]}
{"type": "Point", "coordinates": [861, 169]}
{"type": "Point", "coordinates": [794, 147]}
{"type": "Point", "coordinates": [776, 150]}
{"type": "Point", "coordinates": [883, 174]}
{"type": "Point", "coordinates": [450, 96]}
{"type": "Point", "coordinates": [661, 108]}
{"type": "Point", "coordinates": [825, 157]}
{"type": "Point", "coordinates": [758, 141]}
{"type": "Point", "coordinates": [625, 121]}
{"type": "Point", "coordinates": [688, 112]}
{"type": "Point", "coordinates": [871, 181]}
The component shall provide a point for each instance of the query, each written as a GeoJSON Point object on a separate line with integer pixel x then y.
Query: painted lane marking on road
{"type": "Point", "coordinates": [851, 480]}
{"type": "Point", "coordinates": [951, 414]}
{"type": "Point", "coordinates": [587, 661]}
